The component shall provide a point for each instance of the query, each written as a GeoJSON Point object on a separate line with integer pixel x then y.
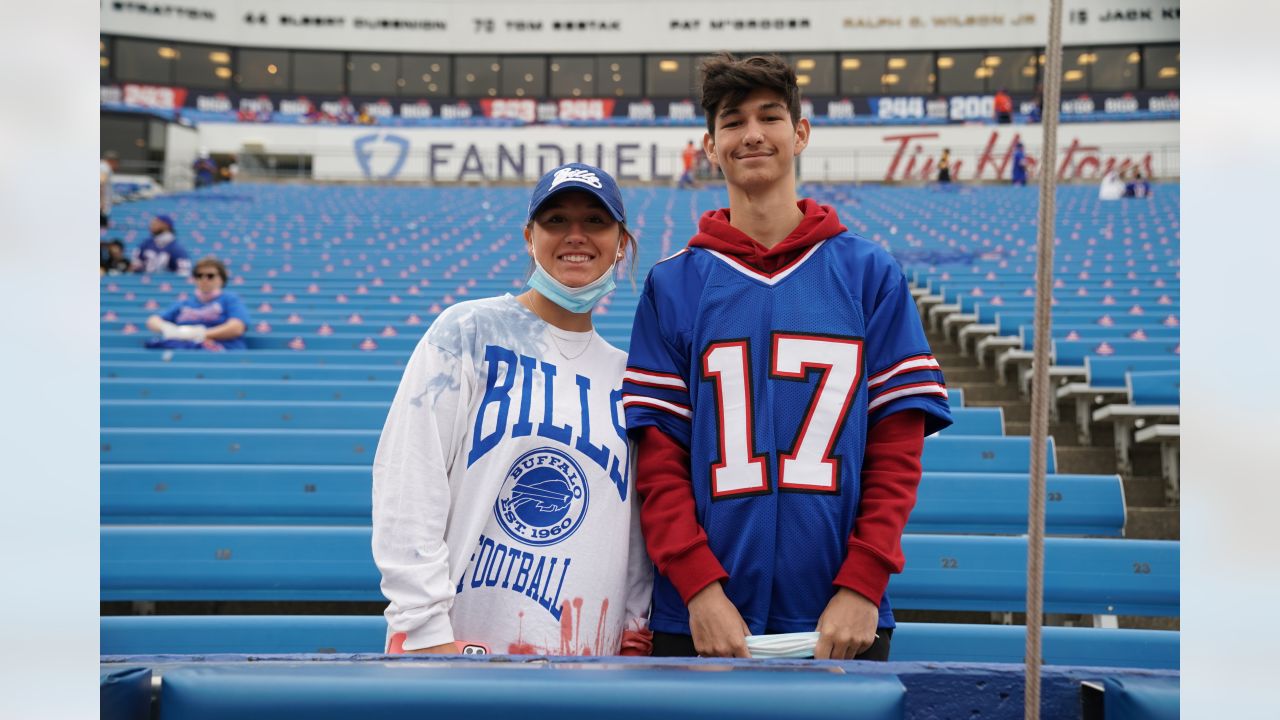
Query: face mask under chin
{"type": "Point", "coordinates": [575, 300]}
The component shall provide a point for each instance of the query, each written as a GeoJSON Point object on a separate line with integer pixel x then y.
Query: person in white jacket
{"type": "Point", "coordinates": [505, 517]}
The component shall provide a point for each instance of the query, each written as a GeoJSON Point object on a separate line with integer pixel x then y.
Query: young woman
{"type": "Point", "coordinates": [504, 512]}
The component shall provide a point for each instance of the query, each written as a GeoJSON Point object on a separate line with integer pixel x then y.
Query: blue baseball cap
{"type": "Point", "coordinates": [579, 176]}
{"type": "Point", "coordinates": [167, 220]}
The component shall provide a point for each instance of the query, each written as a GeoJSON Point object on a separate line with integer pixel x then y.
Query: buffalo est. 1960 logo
{"type": "Point", "coordinates": [543, 498]}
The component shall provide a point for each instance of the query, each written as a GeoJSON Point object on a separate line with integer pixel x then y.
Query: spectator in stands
{"type": "Point", "coordinates": [1136, 186]}
{"type": "Point", "coordinates": [106, 174]}
{"type": "Point", "coordinates": [1004, 107]}
{"type": "Point", "coordinates": [162, 252]}
{"type": "Point", "coordinates": [1112, 187]}
{"type": "Point", "coordinates": [1033, 115]}
{"type": "Point", "coordinates": [768, 506]}
{"type": "Point", "coordinates": [688, 158]}
{"type": "Point", "coordinates": [944, 167]}
{"type": "Point", "coordinates": [1141, 186]}
{"type": "Point", "coordinates": [112, 260]}
{"type": "Point", "coordinates": [211, 319]}
{"type": "Point", "coordinates": [205, 169]}
{"type": "Point", "coordinates": [503, 509]}
{"type": "Point", "coordinates": [1019, 173]}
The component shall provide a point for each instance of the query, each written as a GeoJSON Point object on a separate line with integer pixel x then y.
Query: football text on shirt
{"type": "Point", "coordinates": [538, 577]}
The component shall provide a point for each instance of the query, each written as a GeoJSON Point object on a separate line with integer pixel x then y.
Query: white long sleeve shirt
{"type": "Point", "coordinates": [504, 509]}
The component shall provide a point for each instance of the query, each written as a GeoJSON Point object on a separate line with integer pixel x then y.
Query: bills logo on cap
{"type": "Point", "coordinates": [569, 174]}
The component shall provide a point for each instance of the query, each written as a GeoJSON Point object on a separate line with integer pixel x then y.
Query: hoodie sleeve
{"type": "Point", "coordinates": [411, 495]}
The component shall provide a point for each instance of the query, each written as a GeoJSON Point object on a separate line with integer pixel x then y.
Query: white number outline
{"type": "Point", "coordinates": [723, 466]}
{"type": "Point", "coordinates": [821, 396]}
{"type": "Point", "coordinates": [761, 460]}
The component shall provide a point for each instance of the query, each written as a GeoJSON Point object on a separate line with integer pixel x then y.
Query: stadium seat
{"type": "Point", "coordinates": [303, 414]}
{"type": "Point", "coordinates": [943, 572]}
{"type": "Point", "coordinates": [220, 494]}
{"type": "Point", "coordinates": [390, 691]}
{"type": "Point", "coordinates": [238, 445]}
{"type": "Point", "coordinates": [1152, 396]}
{"type": "Point", "coordinates": [929, 642]}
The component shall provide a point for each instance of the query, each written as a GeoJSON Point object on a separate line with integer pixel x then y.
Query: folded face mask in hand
{"type": "Point", "coordinates": [783, 645]}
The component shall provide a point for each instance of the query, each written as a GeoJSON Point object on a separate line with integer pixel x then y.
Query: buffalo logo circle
{"type": "Point", "coordinates": [543, 498]}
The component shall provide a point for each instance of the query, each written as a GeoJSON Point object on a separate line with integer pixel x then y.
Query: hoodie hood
{"type": "Point", "coordinates": [715, 233]}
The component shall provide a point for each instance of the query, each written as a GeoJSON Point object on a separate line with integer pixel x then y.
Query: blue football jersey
{"type": "Point", "coordinates": [771, 381]}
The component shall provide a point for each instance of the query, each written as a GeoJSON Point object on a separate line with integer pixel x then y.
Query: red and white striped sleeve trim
{"type": "Point", "coordinates": [654, 379]}
{"type": "Point", "coordinates": [676, 409]}
{"type": "Point", "coordinates": [924, 388]}
{"type": "Point", "coordinates": [911, 364]}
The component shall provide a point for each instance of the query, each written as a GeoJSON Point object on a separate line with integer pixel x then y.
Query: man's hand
{"type": "Point", "coordinates": [847, 626]}
{"type": "Point", "coordinates": [716, 625]}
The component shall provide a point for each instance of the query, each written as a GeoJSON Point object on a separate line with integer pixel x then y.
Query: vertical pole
{"type": "Point", "coordinates": [1041, 393]}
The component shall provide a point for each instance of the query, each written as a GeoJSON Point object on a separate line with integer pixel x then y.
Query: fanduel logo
{"type": "Point", "coordinates": [585, 177]}
{"type": "Point", "coordinates": [376, 163]}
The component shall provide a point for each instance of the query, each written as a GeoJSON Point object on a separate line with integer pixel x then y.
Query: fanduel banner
{"type": "Point", "coordinates": [591, 26]}
{"type": "Point", "coordinates": [873, 154]}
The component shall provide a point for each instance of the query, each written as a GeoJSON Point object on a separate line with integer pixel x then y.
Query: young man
{"type": "Point", "coordinates": [779, 387]}
{"type": "Point", "coordinates": [162, 252]}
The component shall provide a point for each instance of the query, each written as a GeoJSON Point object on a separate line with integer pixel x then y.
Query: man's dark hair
{"type": "Point", "coordinates": [726, 79]}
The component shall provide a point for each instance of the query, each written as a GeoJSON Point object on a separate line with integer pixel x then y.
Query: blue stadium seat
{"type": "Point", "coordinates": [223, 494]}
{"type": "Point", "coordinates": [1154, 387]}
{"type": "Point", "coordinates": [943, 572]}
{"type": "Point", "coordinates": [960, 453]}
{"type": "Point", "coordinates": [1088, 576]}
{"type": "Point", "coordinates": [159, 494]}
{"type": "Point", "coordinates": [996, 503]}
{"type": "Point", "coordinates": [238, 445]}
{"type": "Point", "coordinates": [303, 414]}
{"type": "Point", "coordinates": [382, 372]}
{"type": "Point", "coordinates": [927, 642]}
{"type": "Point", "coordinates": [390, 691]}
{"type": "Point", "coordinates": [975, 421]}
{"type": "Point", "coordinates": [134, 389]}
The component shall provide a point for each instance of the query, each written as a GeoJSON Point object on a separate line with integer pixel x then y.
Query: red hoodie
{"type": "Point", "coordinates": [890, 467]}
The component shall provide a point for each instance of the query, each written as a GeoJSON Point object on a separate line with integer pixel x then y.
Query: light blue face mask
{"type": "Point", "coordinates": [575, 300]}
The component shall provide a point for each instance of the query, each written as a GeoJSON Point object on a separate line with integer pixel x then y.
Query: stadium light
{"type": "Point", "coordinates": [850, 63]}
{"type": "Point", "coordinates": [219, 57]}
{"type": "Point", "coordinates": [897, 63]}
{"type": "Point", "coordinates": [946, 63]}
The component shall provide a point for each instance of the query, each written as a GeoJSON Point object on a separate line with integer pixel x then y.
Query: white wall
{"type": "Point", "coordinates": [507, 26]}
{"type": "Point", "coordinates": [873, 154]}
{"type": "Point", "coordinates": [181, 145]}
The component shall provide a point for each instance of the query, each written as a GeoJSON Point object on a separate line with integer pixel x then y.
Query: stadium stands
{"type": "Point", "coordinates": [246, 475]}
